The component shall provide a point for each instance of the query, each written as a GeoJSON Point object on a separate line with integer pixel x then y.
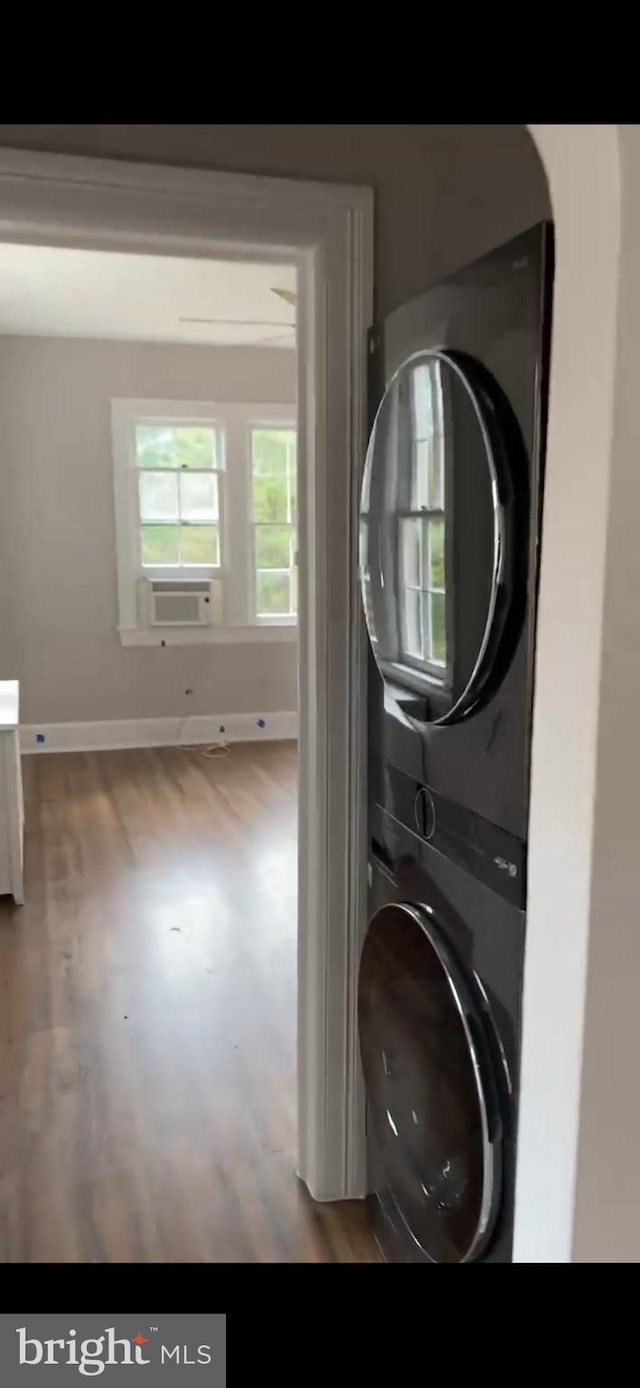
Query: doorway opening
{"type": "Point", "coordinates": [203, 536]}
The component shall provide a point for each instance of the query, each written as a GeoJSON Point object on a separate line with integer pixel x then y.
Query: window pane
{"type": "Point", "coordinates": [293, 479]}
{"type": "Point", "coordinates": [426, 436]}
{"type": "Point", "coordinates": [158, 496]}
{"type": "Point", "coordinates": [273, 468]}
{"type": "Point", "coordinates": [421, 474]}
{"type": "Point", "coordinates": [270, 499]}
{"type": "Point", "coordinates": [160, 544]}
{"type": "Point", "coordinates": [294, 590]}
{"type": "Point", "coordinates": [411, 624]}
{"type": "Point", "coordinates": [269, 451]}
{"type": "Point", "coordinates": [176, 445]}
{"type": "Point", "coordinates": [425, 624]}
{"type": "Point", "coordinates": [426, 480]}
{"type": "Point", "coordinates": [273, 546]}
{"type": "Point", "coordinates": [436, 554]}
{"type": "Point", "coordinates": [410, 552]}
{"type": "Point", "coordinates": [198, 496]}
{"type": "Point", "coordinates": [273, 594]}
{"type": "Point", "coordinates": [438, 630]}
{"type": "Point", "coordinates": [422, 383]}
{"type": "Point", "coordinates": [435, 473]}
{"type": "Point", "coordinates": [199, 544]}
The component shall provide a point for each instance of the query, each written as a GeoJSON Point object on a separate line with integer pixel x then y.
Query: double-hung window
{"type": "Point", "coordinates": [206, 520]}
{"type": "Point", "coordinates": [180, 485]}
{"type": "Point", "coordinates": [274, 511]}
{"type": "Point", "coordinates": [422, 527]}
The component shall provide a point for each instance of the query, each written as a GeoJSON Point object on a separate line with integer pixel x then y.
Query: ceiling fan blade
{"type": "Point", "coordinates": [289, 295]}
{"type": "Point", "coordinates": [236, 322]}
{"type": "Point", "coordinates": [280, 337]}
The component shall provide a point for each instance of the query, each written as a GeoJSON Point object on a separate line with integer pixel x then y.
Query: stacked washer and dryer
{"type": "Point", "coordinates": [449, 554]}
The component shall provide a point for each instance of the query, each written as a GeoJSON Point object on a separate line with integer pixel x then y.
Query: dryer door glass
{"type": "Point", "coordinates": [430, 1085]}
{"type": "Point", "coordinates": [436, 540]}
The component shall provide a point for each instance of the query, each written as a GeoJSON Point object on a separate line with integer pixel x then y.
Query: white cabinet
{"type": "Point", "coordinates": [11, 802]}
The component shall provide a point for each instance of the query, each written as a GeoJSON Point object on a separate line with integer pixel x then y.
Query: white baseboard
{"type": "Point", "coordinates": [158, 732]}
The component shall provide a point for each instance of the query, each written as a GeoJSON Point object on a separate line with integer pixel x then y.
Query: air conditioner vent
{"type": "Point", "coordinates": [171, 587]}
{"type": "Point", "coordinates": [168, 603]}
{"type": "Point", "coordinates": [178, 608]}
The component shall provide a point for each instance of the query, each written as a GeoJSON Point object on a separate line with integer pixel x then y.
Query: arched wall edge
{"type": "Point", "coordinates": [582, 163]}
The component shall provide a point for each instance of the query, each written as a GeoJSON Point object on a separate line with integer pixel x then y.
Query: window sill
{"type": "Point", "coordinates": [206, 636]}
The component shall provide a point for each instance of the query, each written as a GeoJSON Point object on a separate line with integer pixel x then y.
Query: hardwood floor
{"type": "Point", "coordinates": [147, 1017]}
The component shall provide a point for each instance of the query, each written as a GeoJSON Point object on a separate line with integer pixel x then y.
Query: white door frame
{"type": "Point", "coordinates": [327, 230]}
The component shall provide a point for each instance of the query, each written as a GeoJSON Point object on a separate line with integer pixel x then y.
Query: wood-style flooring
{"type": "Point", "coordinates": [147, 1017]}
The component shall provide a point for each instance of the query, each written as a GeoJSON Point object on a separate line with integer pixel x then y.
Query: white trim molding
{"type": "Point", "coordinates": [194, 731]}
{"type": "Point", "coordinates": [579, 784]}
{"type": "Point", "coordinates": [326, 231]}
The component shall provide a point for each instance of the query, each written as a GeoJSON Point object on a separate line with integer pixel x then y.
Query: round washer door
{"type": "Point", "coordinates": [431, 1085]}
{"type": "Point", "coordinates": [443, 533]}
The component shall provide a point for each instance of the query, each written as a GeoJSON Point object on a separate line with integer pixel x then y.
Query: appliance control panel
{"type": "Point", "coordinates": [479, 847]}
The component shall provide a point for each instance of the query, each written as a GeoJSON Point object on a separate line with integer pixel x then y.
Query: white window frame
{"type": "Point", "coordinates": [235, 422]}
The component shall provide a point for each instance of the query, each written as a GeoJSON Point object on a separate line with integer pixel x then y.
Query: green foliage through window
{"type": "Point", "coordinates": [168, 545]}
{"type": "Point", "coordinates": [436, 554]}
{"type": "Point", "coordinates": [274, 498]}
{"type": "Point", "coordinates": [175, 446]}
{"type": "Point", "coordinates": [422, 585]}
{"type": "Point", "coordinates": [273, 594]}
{"type": "Point", "coordinates": [438, 632]}
{"type": "Point", "coordinates": [178, 492]}
{"type": "Point", "coordinates": [273, 546]}
{"type": "Point", "coordinates": [160, 544]}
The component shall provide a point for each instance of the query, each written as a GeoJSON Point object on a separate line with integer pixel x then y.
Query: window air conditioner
{"type": "Point", "coordinates": [181, 604]}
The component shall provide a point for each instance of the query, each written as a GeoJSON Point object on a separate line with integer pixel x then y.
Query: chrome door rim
{"type": "Point", "coordinates": [499, 529]}
{"type": "Point", "coordinates": [422, 916]}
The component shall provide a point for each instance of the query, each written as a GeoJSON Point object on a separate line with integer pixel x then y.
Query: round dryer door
{"type": "Point", "coordinates": [443, 533]}
{"type": "Point", "coordinates": [430, 1085]}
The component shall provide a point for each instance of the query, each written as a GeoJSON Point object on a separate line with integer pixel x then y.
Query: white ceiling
{"type": "Point", "coordinates": [59, 292]}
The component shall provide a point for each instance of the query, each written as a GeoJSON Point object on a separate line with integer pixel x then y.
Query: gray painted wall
{"type": "Point", "coordinates": [444, 193]}
{"type": "Point", "coordinates": [57, 533]}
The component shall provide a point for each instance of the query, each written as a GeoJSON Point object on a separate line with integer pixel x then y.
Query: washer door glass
{"type": "Point", "coordinates": [431, 1090]}
{"type": "Point", "coordinates": [437, 540]}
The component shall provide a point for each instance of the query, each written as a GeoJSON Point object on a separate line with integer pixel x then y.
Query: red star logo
{"type": "Point", "coordinates": [140, 1339]}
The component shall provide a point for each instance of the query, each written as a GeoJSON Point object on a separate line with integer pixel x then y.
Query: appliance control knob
{"type": "Point", "coordinates": [425, 813]}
